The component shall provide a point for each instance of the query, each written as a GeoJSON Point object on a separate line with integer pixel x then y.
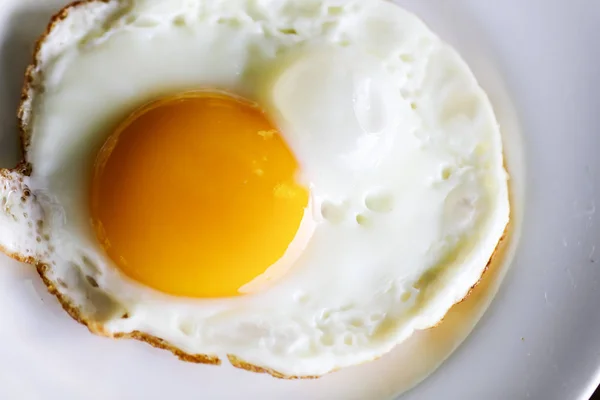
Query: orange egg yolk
{"type": "Point", "coordinates": [195, 195]}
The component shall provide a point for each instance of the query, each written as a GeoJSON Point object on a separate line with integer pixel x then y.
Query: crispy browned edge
{"type": "Point", "coordinates": [42, 268]}
{"type": "Point", "coordinates": [492, 258]}
{"type": "Point", "coordinates": [27, 84]}
{"type": "Point", "coordinates": [239, 363]}
{"type": "Point", "coordinates": [24, 168]}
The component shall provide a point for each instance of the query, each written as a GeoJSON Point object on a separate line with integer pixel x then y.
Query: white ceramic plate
{"type": "Point", "coordinates": [540, 339]}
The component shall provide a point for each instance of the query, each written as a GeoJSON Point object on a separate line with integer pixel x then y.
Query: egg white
{"type": "Point", "coordinates": [409, 193]}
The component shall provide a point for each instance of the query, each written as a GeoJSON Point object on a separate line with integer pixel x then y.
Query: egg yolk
{"type": "Point", "coordinates": [195, 195]}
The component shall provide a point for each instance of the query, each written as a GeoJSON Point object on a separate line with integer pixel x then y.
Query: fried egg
{"type": "Point", "coordinates": [294, 186]}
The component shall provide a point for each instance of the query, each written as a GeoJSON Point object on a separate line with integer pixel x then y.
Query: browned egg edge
{"type": "Point", "coordinates": [24, 168]}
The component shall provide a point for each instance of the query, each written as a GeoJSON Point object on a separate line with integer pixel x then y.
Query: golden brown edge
{"type": "Point", "coordinates": [28, 82]}
{"type": "Point", "coordinates": [481, 277]}
{"type": "Point", "coordinates": [67, 304]}
{"type": "Point", "coordinates": [22, 169]}
{"type": "Point", "coordinates": [239, 363]}
{"type": "Point", "coordinates": [25, 169]}
{"type": "Point", "coordinates": [500, 248]}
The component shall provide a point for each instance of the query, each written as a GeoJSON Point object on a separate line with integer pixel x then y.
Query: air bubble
{"type": "Point", "coordinates": [91, 281]}
{"type": "Point", "coordinates": [333, 213]}
{"type": "Point", "coordinates": [407, 58]}
{"type": "Point", "coordinates": [288, 31]}
{"type": "Point", "coordinates": [357, 323]}
{"type": "Point", "coordinates": [447, 172]}
{"type": "Point", "coordinates": [405, 296]}
{"type": "Point", "coordinates": [179, 21]}
{"type": "Point", "coordinates": [379, 201]}
{"type": "Point", "coordinates": [327, 339]}
{"type": "Point", "coordinates": [335, 11]}
{"type": "Point", "coordinates": [325, 314]}
{"type": "Point", "coordinates": [363, 220]}
{"type": "Point", "coordinates": [348, 339]}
